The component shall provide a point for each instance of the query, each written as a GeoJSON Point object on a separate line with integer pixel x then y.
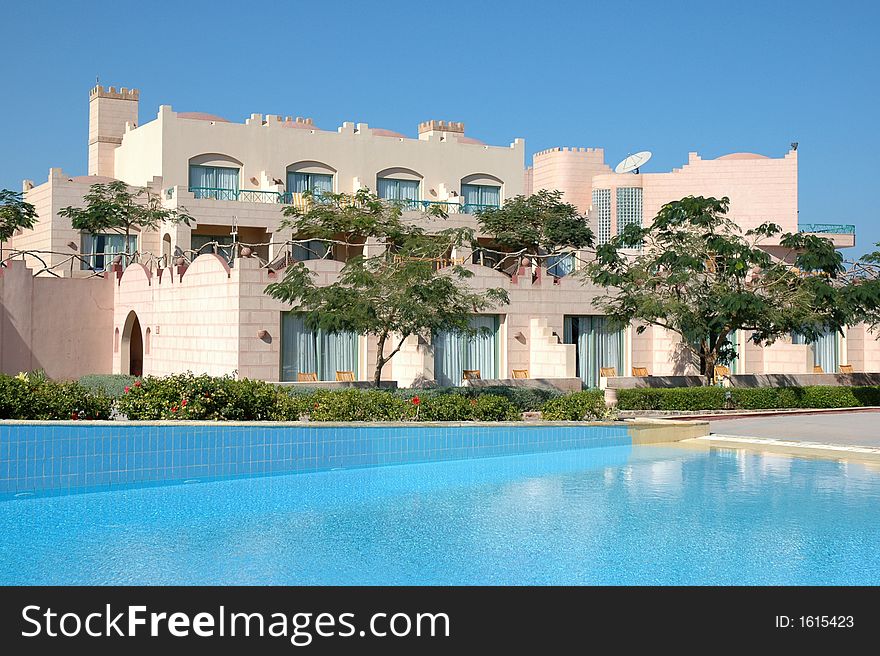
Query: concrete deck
{"type": "Point", "coordinates": [858, 429]}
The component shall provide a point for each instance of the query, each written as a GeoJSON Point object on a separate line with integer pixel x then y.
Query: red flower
{"type": "Point", "coordinates": [173, 408]}
{"type": "Point", "coordinates": [316, 406]}
{"type": "Point", "coordinates": [183, 403]}
{"type": "Point", "coordinates": [127, 389]}
{"type": "Point", "coordinates": [416, 400]}
{"type": "Point", "coordinates": [137, 383]}
{"type": "Point", "coordinates": [74, 416]}
{"type": "Point", "coordinates": [473, 402]}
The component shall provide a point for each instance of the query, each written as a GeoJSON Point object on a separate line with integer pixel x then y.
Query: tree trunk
{"type": "Point", "coordinates": [710, 357]}
{"type": "Point", "coordinates": [380, 359]}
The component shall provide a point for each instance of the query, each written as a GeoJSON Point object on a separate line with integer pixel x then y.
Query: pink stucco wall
{"type": "Point", "coordinates": [63, 326]}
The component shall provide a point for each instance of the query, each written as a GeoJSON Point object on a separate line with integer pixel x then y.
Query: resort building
{"type": "Point", "coordinates": [193, 298]}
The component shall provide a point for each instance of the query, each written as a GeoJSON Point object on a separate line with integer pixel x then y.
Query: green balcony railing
{"type": "Point", "coordinates": [828, 228]}
{"type": "Point", "coordinates": [299, 200]}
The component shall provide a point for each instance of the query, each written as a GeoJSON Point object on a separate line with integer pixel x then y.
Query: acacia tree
{"type": "Point", "coordinates": [15, 214]}
{"type": "Point", "coordinates": [697, 275]}
{"type": "Point", "coordinates": [391, 294]}
{"type": "Point", "coordinates": [118, 208]}
{"type": "Point", "coordinates": [540, 226]}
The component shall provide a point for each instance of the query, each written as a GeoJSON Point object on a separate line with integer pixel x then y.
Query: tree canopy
{"type": "Point", "coordinates": [15, 213]}
{"type": "Point", "coordinates": [538, 225]}
{"type": "Point", "coordinates": [697, 275]}
{"type": "Point", "coordinates": [116, 207]}
{"type": "Point", "coordinates": [391, 294]}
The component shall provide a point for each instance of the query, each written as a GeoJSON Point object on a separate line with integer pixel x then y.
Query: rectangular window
{"type": "Point", "coordinates": [826, 351]}
{"type": "Point", "coordinates": [453, 352]}
{"type": "Point", "coordinates": [317, 183]}
{"type": "Point", "coordinates": [479, 197]}
{"type": "Point", "coordinates": [99, 250]}
{"type": "Point", "coordinates": [305, 351]}
{"type": "Point", "coordinates": [629, 207]}
{"type": "Point", "coordinates": [596, 346]}
{"type": "Point", "coordinates": [201, 244]}
{"type": "Point", "coordinates": [602, 207]}
{"type": "Point", "coordinates": [401, 190]}
{"type": "Point", "coordinates": [217, 182]}
{"type": "Point", "coordinates": [560, 265]}
{"type": "Point", "coordinates": [313, 249]}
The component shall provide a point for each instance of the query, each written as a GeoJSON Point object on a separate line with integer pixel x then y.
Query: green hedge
{"type": "Point", "coordinates": [589, 405]}
{"type": "Point", "coordinates": [186, 396]}
{"type": "Point", "coordinates": [33, 396]}
{"type": "Point", "coordinates": [741, 398]}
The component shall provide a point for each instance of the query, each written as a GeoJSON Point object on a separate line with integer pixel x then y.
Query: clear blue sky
{"type": "Point", "coordinates": [671, 77]}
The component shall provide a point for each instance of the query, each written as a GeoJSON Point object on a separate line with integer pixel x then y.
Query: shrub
{"type": "Point", "coordinates": [671, 399]}
{"type": "Point", "coordinates": [33, 396]}
{"type": "Point", "coordinates": [445, 407]}
{"type": "Point", "coordinates": [491, 407]}
{"type": "Point", "coordinates": [185, 396]}
{"type": "Point", "coordinates": [578, 406]}
{"type": "Point", "coordinates": [113, 384]}
{"type": "Point", "coordinates": [360, 405]}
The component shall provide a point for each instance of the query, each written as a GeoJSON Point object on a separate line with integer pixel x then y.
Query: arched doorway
{"type": "Point", "coordinates": [132, 351]}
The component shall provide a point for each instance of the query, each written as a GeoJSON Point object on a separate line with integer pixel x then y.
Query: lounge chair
{"type": "Point", "coordinates": [640, 372]}
{"type": "Point", "coordinates": [607, 372]}
{"type": "Point", "coordinates": [470, 374]}
{"type": "Point", "coordinates": [846, 369]}
{"type": "Point", "coordinates": [721, 371]}
{"type": "Point", "coordinates": [307, 376]}
{"type": "Point", "coordinates": [520, 373]}
{"type": "Point", "coordinates": [817, 369]}
{"type": "Point", "coordinates": [345, 376]}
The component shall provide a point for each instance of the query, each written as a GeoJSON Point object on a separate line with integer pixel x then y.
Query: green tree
{"type": "Point", "coordinates": [15, 214]}
{"type": "Point", "coordinates": [391, 294]}
{"type": "Point", "coordinates": [540, 226]}
{"type": "Point", "coordinates": [697, 275]}
{"type": "Point", "coordinates": [116, 207]}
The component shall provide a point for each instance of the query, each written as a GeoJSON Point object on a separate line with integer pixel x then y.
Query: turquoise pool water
{"type": "Point", "coordinates": [608, 515]}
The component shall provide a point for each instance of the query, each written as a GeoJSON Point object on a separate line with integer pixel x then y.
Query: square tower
{"type": "Point", "coordinates": [109, 112]}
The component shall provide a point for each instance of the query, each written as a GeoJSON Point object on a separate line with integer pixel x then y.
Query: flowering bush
{"type": "Point", "coordinates": [579, 406]}
{"type": "Point", "coordinates": [33, 396]}
{"type": "Point", "coordinates": [186, 396]}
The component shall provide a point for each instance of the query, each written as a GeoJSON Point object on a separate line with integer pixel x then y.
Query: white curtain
{"type": "Point", "coordinates": [825, 350]}
{"type": "Point", "coordinates": [454, 352]}
{"type": "Point", "coordinates": [217, 182]}
{"type": "Point", "coordinates": [317, 183]}
{"type": "Point", "coordinates": [596, 346]}
{"type": "Point", "coordinates": [391, 189]}
{"type": "Point", "coordinates": [480, 196]}
{"type": "Point", "coordinates": [98, 250]}
{"type": "Point", "coordinates": [320, 352]}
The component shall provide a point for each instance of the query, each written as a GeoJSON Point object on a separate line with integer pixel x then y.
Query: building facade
{"type": "Point", "coordinates": [193, 297]}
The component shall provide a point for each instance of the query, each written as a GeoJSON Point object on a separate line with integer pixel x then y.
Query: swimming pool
{"type": "Point", "coordinates": [617, 514]}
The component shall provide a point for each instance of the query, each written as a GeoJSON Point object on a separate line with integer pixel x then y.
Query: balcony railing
{"type": "Point", "coordinates": [828, 228]}
{"type": "Point", "coordinates": [302, 202]}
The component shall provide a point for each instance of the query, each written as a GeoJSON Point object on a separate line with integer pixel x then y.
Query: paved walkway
{"type": "Point", "coordinates": [844, 428]}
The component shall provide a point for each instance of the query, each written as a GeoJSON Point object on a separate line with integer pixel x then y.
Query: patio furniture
{"type": "Point", "coordinates": [470, 374]}
{"type": "Point", "coordinates": [721, 371]}
{"type": "Point", "coordinates": [520, 373]}
{"type": "Point", "coordinates": [817, 369]}
{"type": "Point", "coordinates": [846, 369]}
{"type": "Point", "coordinates": [607, 372]}
{"type": "Point", "coordinates": [640, 372]}
{"type": "Point", "coordinates": [345, 376]}
{"type": "Point", "coordinates": [307, 377]}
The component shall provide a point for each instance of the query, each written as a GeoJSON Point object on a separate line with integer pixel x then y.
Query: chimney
{"type": "Point", "coordinates": [109, 111]}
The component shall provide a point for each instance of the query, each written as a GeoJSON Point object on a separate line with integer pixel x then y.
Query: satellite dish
{"type": "Point", "coordinates": [633, 162]}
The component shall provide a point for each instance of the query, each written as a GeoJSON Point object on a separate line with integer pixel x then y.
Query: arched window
{"type": "Point", "coordinates": [116, 341]}
{"type": "Point", "coordinates": [213, 175]}
{"type": "Point", "coordinates": [480, 191]}
{"type": "Point", "coordinates": [166, 249]}
{"type": "Point", "coordinates": [147, 339]}
{"type": "Point", "coordinates": [311, 176]}
{"type": "Point", "coordinates": [399, 184]}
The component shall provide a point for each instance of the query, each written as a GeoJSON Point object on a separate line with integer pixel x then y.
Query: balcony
{"type": "Point", "coordinates": [301, 202]}
{"type": "Point", "coordinates": [842, 235]}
